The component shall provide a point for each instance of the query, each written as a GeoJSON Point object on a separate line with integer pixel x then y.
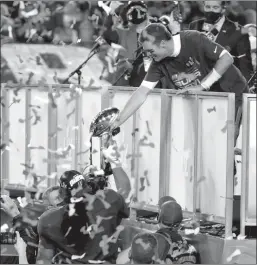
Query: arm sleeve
{"type": "Point", "coordinates": [45, 247]}
{"type": "Point", "coordinates": [154, 73]}
{"type": "Point", "coordinates": [211, 49]}
{"type": "Point", "coordinates": [124, 210]}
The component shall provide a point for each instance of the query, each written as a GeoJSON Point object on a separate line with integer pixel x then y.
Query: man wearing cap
{"type": "Point", "coordinates": [170, 218]}
{"type": "Point", "coordinates": [79, 231]}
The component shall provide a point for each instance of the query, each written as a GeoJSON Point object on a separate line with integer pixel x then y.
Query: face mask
{"type": "Point", "coordinates": [212, 17]}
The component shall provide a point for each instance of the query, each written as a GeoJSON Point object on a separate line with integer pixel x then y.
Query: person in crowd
{"type": "Point", "coordinates": [228, 34]}
{"type": "Point", "coordinates": [164, 199]}
{"type": "Point", "coordinates": [191, 61]}
{"type": "Point", "coordinates": [82, 226]}
{"type": "Point", "coordinates": [144, 249]}
{"type": "Point", "coordinates": [170, 218]}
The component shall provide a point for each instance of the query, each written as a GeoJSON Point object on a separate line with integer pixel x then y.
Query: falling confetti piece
{"type": "Point", "coordinates": [148, 128]}
{"type": "Point", "coordinates": [134, 132]}
{"type": "Point", "coordinates": [72, 209]}
{"type": "Point", "coordinates": [211, 109]}
{"type": "Point", "coordinates": [78, 257]}
{"type": "Point", "coordinates": [241, 237]}
{"type": "Point", "coordinates": [68, 231]}
{"type": "Point", "coordinates": [69, 114]}
{"type": "Point", "coordinates": [236, 253]}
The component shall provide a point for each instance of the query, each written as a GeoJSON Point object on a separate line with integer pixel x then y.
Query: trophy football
{"type": "Point", "coordinates": [101, 127]}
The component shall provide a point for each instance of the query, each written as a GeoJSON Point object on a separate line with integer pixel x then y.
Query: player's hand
{"type": "Point", "coordinates": [9, 206]}
{"type": "Point", "coordinates": [112, 155]}
{"type": "Point", "coordinates": [193, 89]}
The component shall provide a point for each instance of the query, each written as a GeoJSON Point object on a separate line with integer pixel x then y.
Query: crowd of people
{"type": "Point", "coordinates": [80, 220]}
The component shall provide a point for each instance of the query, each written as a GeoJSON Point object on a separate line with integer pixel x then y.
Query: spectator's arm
{"type": "Point", "coordinates": [245, 62]}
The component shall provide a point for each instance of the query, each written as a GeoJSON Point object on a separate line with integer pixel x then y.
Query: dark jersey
{"type": "Point", "coordinates": [198, 55]}
{"type": "Point", "coordinates": [52, 238]}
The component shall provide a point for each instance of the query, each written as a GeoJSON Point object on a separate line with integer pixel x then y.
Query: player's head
{"type": "Point", "coordinates": [155, 40]}
{"type": "Point", "coordinates": [72, 184]}
{"type": "Point", "coordinates": [170, 214]}
{"type": "Point", "coordinates": [144, 249]}
{"type": "Point", "coordinates": [214, 10]}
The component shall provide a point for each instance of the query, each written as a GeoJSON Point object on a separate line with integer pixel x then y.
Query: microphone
{"type": "Point", "coordinates": [105, 38]}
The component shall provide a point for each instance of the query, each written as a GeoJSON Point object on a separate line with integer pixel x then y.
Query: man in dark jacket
{"type": "Point", "coordinates": [226, 33]}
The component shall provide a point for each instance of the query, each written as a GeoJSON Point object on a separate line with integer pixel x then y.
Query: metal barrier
{"type": "Point", "coordinates": [181, 146]}
{"type": "Point", "coordinates": [248, 185]}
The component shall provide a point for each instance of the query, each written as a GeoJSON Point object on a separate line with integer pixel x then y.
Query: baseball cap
{"type": "Point", "coordinates": [170, 213]}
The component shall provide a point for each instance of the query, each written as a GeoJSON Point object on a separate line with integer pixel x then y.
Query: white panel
{"type": "Point", "coordinates": [124, 138]}
{"type": "Point", "coordinates": [212, 183]}
{"type": "Point", "coordinates": [251, 207]}
{"type": "Point", "coordinates": [148, 148]}
{"type": "Point", "coordinates": [39, 132]}
{"type": "Point", "coordinates": [66, 130]}
{"type": "Point", "coordinates": [17, 136]}
{"type": "Point", "coordinates": [182, 151]}
{"type": "Point", "coordinates": [91, 106]}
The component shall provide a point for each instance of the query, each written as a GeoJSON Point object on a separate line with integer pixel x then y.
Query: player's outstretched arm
{"type": "Point", "coordinates": [135, 102]}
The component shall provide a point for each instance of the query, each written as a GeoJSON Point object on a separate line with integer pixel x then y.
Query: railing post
{"type": "Point", "coordinates": [230, 166]}
{"type": "Point", "coordinates": [165, 144]}
{"type": "Point", "coordinates": [27, 128]}
{"type": "Point", "coordinates": [5, 124]}
{"type": "Point", "coordinates": [52, 138]}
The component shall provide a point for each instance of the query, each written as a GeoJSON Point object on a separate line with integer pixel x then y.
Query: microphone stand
{"type": "Point", "coordinates": [78, 69]}
{"type": "Point", "coordinates": [127, 70]}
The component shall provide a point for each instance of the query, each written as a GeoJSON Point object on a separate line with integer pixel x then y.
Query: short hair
{"type": "Point", "coordinates": [144, 248]}
{"type": "Point", "coordinates": [47, 192]}
{"type": "Point", "coordinates": [156, 30]}
{"type": "Point", "coordinates": [223, 3]}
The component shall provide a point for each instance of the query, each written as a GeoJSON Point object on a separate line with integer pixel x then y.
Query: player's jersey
{"type": "Point", "coordinates": [197, 57]}
{"type": "Point", "coordinates": [51, 236]}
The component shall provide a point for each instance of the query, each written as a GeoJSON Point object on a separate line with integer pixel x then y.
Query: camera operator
{"type": "Point", "coordinates": [76, 232]}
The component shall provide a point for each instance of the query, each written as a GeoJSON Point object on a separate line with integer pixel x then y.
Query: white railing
{"type": "Point", "coordinates": [173, 145]}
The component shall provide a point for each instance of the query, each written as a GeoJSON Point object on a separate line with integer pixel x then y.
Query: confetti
{"type": "Point", "coordinates": [211, 109]}
{"type": "Point", "coordinates": [72, 209]}
{"type": "Point", "coordinates": [68, 231]}
{"type": "Point", "coordinates": [134, 132]}
{"type": "Point", "coordinates": [148, 128]}
{"type": "Point", "coordinates": [142, 184]}
{"type": "Point", "coordinates": [78, 257]}
{"type": "Point", "coordinates": [236, 253]}
{"type": "Point", "coordinates": [37, 117]}
{"type": "Point", "coordinates": [69, 114]}
{"type": "Point", "coordinates": [241, 237]}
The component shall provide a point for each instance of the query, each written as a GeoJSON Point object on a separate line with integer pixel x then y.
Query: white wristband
{"type": "Point", "coordinates": [213, 77]}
